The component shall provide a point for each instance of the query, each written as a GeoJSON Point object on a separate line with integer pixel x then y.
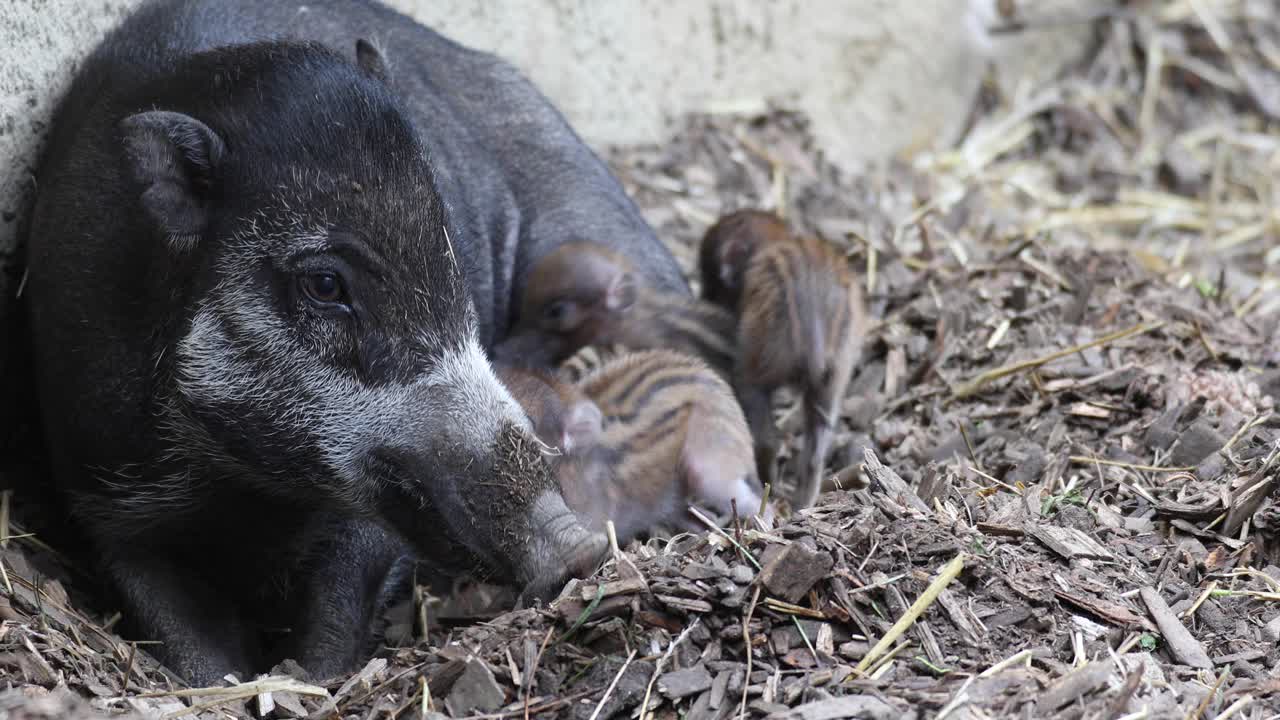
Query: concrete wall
{"type": "Point", "coordinates": [877, 76]}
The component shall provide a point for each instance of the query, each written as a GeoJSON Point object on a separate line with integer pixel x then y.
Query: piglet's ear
{"type": "Point", "coordinates": [172, 158]}
{"type": "Point", "coordinates": [621, 294]}
{"type": "Point", "coordinates": [370, 59]}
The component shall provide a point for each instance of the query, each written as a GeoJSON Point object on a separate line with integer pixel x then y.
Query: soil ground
{"type": "Point", "coordinates": [1066, 414]}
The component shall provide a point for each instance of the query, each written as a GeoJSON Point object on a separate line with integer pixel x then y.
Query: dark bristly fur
{"type": "Point", "coordinates": [232, 443]}
{"type": "Point", "coordinates": [687, 325]}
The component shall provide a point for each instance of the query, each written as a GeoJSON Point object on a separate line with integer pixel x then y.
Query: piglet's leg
{"type": "Point", "coordinates": [757, 406]}
{"type": "Point", "coordinates": [715, 471]}
{"type": "Point", "coordinates": [733, 491]}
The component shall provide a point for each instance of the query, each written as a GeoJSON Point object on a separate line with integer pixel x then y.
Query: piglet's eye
{"type": "Point", "coordinates": [323, 288]}
{"type": "Point", "coordinates": [556, 311]}
{"type": "Point", "coordinates": [561, 316]}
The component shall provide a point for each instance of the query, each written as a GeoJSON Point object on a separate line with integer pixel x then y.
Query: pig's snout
{"type": "Point", "coordinates": [460, 468]}
{"type": "Point", "coordinates": [503, 500]}
{"type": "Point", "coordinates": [560, 548]}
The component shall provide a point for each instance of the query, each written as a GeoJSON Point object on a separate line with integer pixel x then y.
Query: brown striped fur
{"type": "Point", "coordinates": [673, 433]}
{"type": "Point", "coordinates": [684, 324]}
{"type": "Point", "coordinates": [588, 360]}
{"type": "Point", "coordinates": [563, 418]}
{"type": "Point", "coordinates": [801, 325]}
{"type": "Point", "coordinates": [726, 249]}
{"type": "Point", "coordinates": [583, 294]}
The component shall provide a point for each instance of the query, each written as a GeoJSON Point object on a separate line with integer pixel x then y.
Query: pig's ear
{"type": "Point", "coordinates": [583, 424]}
{"type": "Point", "coordinates": [622, 292]}
{"type": "Point", "coordinates": [173, 158]}
{"type": "Point", "coordinates": [370, 59]}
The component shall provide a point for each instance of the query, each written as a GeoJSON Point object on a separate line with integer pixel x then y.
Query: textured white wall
{"type": "Point", "coordinates": [877, 76]}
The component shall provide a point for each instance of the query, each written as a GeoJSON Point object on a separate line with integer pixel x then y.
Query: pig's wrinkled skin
{"type": "Point", "coordinates": [263, 280]}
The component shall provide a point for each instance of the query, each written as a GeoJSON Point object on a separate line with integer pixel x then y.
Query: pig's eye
{"type": "Point", "coordinates": [323, 288]}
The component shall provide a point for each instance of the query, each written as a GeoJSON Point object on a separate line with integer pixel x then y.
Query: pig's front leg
{"type": "Point", "coordinates": [200, 631]}
{"type": "Point", "coordinates": [354, 572]}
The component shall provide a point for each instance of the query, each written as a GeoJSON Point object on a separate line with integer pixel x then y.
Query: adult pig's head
{"type": "Point", "coordinates": [329, 350]}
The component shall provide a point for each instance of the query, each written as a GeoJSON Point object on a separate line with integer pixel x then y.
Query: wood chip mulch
{"type": "Point", "coordinates": [1066, 415]}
